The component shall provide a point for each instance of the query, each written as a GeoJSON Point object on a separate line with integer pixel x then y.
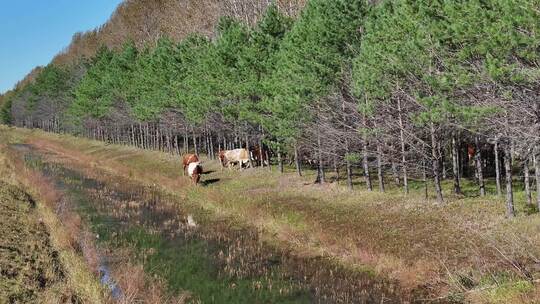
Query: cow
{"type": "Point", "coordinates": [230, 157]}
{"type": "Point", "coordinates": [221, 156]}
{"type": "Point", "coordinates": [188, 159]}
{"type": "Point", "coordinates": [194, 172]}
{"type": "Point", "coordinates": [471, 151]}
{"type": "Point", "coordinates": [259, 155]}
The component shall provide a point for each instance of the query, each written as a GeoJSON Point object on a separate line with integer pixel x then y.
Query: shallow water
{"type": "Point", "coordinates": [217, 262]}
{"type": "Point", "coordinates": [107, 280]}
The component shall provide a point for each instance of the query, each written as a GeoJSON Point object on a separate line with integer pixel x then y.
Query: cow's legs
{"type": "Point", "coordinates": [241, 164]}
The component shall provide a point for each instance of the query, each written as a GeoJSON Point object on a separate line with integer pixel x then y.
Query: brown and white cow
{"type": "Point", "coordinates": [231, 157]}
{"type": "Point", "coordinates": [188, 159]}
{"type": "Point", "coordinates": [194, 172]}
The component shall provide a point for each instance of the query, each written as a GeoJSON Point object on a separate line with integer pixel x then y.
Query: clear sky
{"type": "Point", "coordinates": [33, 31]}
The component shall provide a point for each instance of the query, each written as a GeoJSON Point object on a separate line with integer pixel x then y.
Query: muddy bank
{"type": "Point", "coordinates": [215, 261]}
{"type": "Point", "coordinates": [29, 265]}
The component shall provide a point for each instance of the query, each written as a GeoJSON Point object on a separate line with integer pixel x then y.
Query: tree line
{"type": "Point", "coordinates": [394, 90]}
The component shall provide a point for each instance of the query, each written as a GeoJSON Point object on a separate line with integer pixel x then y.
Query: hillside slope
{"type": "Point", "coordinates": [144, 21]}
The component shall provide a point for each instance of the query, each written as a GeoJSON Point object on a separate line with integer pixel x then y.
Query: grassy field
{"type": "Point", "coordinates": [464, 250]}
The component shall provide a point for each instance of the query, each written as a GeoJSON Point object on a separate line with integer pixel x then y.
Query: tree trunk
{"type": "Point", "coordinates": [250, 162]}
{"type": "Point", "coordinates": [280, 161]}
{"type": "Point", "coordinates": [168, 139]}
{"type": "Point", "coordinates": [479, 171]}
{"type": "Point", "coordinates": [156, 138]}
{"type": "Point", "coordinates": [147, 137]}
{"type": "Point", "coordinates": [455, 166]}
{"type": "Point", "coordinates": [268, 159]}
{"type": "Point", "coordinates": [141, 136]}
{"type": "Point", "coordinates": [195, 146]}
{"type": "Point", "coordinates": [367, 177]}
{"type": "Point", "coordinates": [512, 150]}
{"type": "Point", "coordinates": [336, 169]}
{"type": "Point", "coordinates": [185, 146]}
{"type": "Point", "coordinates": [320, 166]}
{"type": "Point", "coordinates": [395, 173]}
{"type": "Point", "coordinates": [424, 178]}
{"type": "Point", "coordinates": [497, 168]}
{"type": "Point", "coordinates": [261, 156]}
{"type": "Point", "coordinates": [345, 94]}
{"type": "Point", "coordinates": [435, 165]}
{"type": "Point", "coordinates": [212, 152]}
{"type": "Point", "coordinates": [206, 143]}
{"type": "Point", "coordinates": [537, 176]}
{"type": "Point", "coordinates": [527, 180]}
{"type": "Point", "coordinates": [348, 166]}
{"type": "Point", "coordinates": [441, 154]}
{"type": "Point", "coordinates": [402, 142]}
{"type": "Point", "coordinates": [297, 161]}
{"type": "Point", "coordinates": [379, 169]}
{"type": "Point", "coordinates": [509, 193]}
{"type": "Point", "coordinates": [176, 144]}
{"type": "Point", "coordinates": [133, 140]}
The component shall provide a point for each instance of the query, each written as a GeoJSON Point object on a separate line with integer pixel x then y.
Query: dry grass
{"type": "Point", "coordinates": [465, 248]}
{"type": "Point", "coordinates": [80, 283]}
{"type": "Point", "coordinates": [138, 288]}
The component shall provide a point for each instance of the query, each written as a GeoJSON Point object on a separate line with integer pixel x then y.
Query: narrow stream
{"type": "Point", "coordinates": [216, 262]}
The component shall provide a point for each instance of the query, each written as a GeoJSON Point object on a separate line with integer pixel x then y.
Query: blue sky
{"type": "Point", "coordinates": [33, 31]}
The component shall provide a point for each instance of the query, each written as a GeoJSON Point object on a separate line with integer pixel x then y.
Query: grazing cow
{"type": "Point", "coordinates": [194, 171]}
{"type": "Point", "coordinates": [230, 157]}
{"type": "Point", "coordinates": [259, 155]}
{"type": "Point", "coordinates": [222, 159]}
{"type": "Point", "coordinates": [188, 159]}
{"type": "Point", "coordinates": [471, 151]}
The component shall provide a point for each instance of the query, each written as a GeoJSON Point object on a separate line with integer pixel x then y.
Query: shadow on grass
{"type": "Point", "coordinates": [210, 181]}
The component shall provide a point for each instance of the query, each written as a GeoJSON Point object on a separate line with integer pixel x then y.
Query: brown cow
{"type": "Point", "coordinates": [259, 155]}
{"type": "Point", "coordinates": [471, 151]}
{"type": "Point", "coordinates": [188, 159]}
{"type": "Point", "coordinates": [222, 159]}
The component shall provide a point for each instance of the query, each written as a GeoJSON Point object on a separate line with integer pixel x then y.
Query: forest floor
{"type": "Point", "coordinates": [464, 250]}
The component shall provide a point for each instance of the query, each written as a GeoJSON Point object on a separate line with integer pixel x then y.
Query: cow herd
{"type": "Point", "coordinates": [240, 158]}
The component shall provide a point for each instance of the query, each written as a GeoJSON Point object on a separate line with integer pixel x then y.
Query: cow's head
{"type": "Point", "coordinates": [222, 158]}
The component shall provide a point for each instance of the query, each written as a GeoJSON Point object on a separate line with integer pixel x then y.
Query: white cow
{"type": "Point", "coordinates": [231, 157]}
